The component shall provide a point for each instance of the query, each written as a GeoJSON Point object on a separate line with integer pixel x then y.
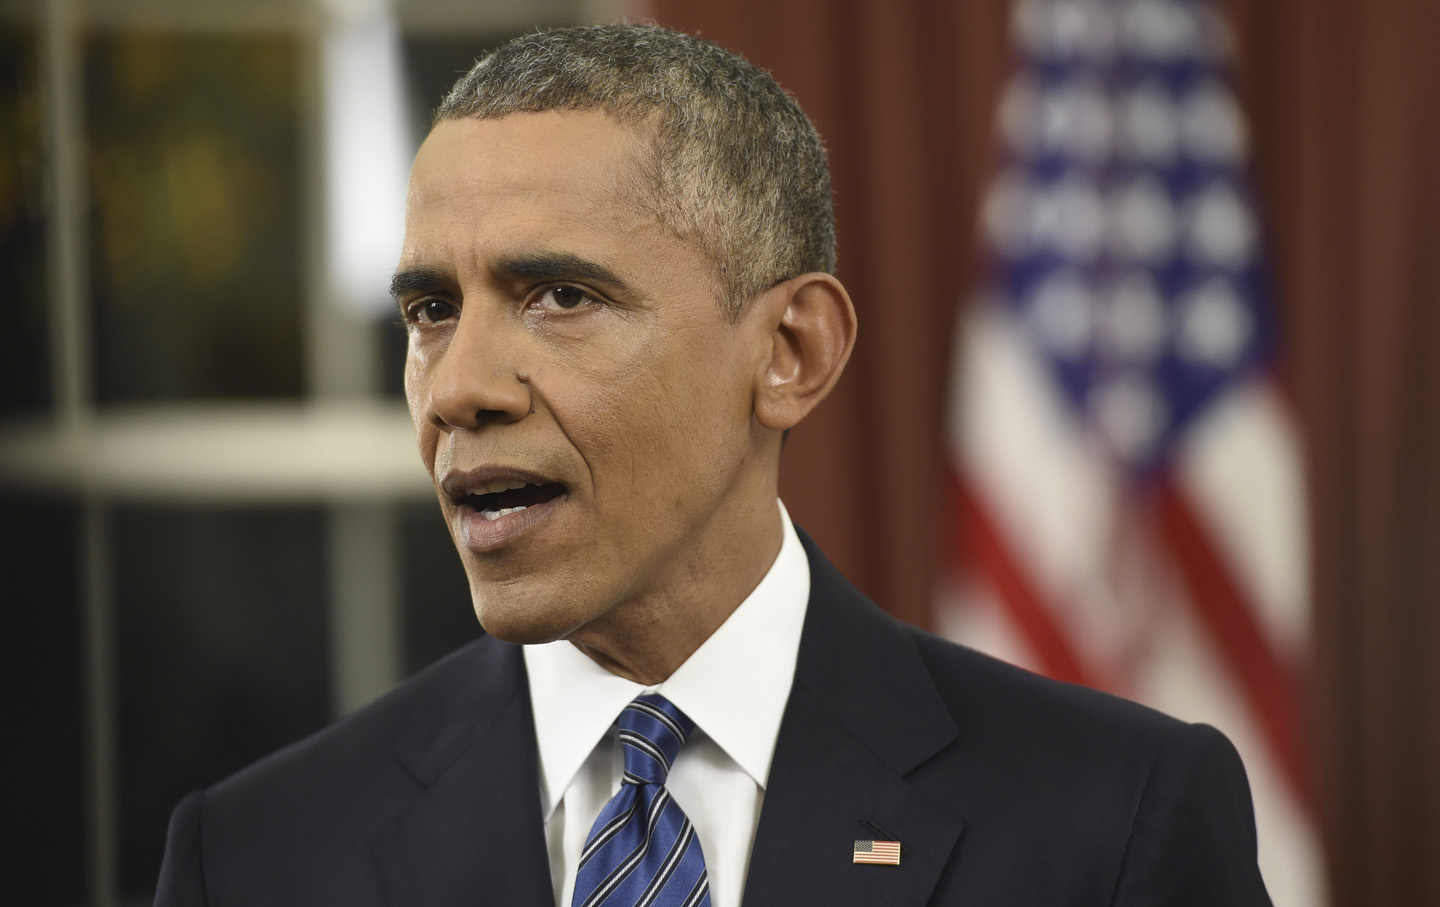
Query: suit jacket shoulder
{"type": "Point", "coordinates": [410, 800]}
{"type": "Point", "coordinates": [1123, 801]}
{"type": "Point", "coordinates": [1001, 786]}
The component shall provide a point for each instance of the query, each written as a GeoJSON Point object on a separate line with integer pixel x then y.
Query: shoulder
{"type": "Point", "coordinates": [1076, 789]}
{"type": "Point", "coordinates": [1000, 704]}
{"type": "Point", "coordinates": [1061, 789]}
{"type": "Point", "coordinates": [306, 812]}
{"type": "Point", "coordinates": [374, 739]}
{"type": "Point", "coordinates": [1058, 743]}
{"type": "Point", "coordinates": [994, 706]}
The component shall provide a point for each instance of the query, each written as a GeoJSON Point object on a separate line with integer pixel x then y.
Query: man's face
{"type": "Point", "coordinates": [582, 403]}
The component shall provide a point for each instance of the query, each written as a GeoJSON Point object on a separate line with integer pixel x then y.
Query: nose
{"type": "Point", "coordinates": [476, 380]}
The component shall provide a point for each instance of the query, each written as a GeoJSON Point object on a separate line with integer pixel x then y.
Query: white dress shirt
{"type": "Point", "coordinates": [734, 687]}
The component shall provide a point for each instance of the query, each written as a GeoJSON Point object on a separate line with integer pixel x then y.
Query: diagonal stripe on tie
{"type": "Point", "coordinates": [642, 850]}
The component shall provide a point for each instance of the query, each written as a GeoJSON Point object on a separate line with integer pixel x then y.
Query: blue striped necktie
{"type": "Point", "coordinates": [642, 850]}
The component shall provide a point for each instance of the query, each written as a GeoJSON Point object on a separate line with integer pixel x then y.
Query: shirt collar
{"type": "Point", "coordinates": [734, 686]}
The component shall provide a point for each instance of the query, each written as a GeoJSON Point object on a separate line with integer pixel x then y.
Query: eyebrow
{"type": "Point", "coordinates": [417, 280]}
{"type": "Point", "coordinates": [559, 266]}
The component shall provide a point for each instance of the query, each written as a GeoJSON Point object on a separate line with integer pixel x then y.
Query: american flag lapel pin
{"type": "Point", "coordinates": [880, 853]}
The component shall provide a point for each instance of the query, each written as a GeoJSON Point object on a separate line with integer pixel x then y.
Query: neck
{"type": "Point", "coordinates": [646, 640]}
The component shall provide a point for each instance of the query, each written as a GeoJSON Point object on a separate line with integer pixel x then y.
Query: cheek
{"type": "Point", "coordinates": [670, 416]}
{"type": "Point", "coordinates": [411, 373]}
{"type": "Point", "coordinates": [416, 395]}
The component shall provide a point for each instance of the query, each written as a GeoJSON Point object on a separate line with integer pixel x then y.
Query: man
{"type": "Point", "coordinates": [616, 280]}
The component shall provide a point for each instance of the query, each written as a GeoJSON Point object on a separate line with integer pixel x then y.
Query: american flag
{"type": "Point", "coordinates": [1129, 511]}
{"type": "Point", "coordinates": [884, 853]}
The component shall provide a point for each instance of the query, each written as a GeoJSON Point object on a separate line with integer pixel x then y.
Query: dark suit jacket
{"type": "Point", "coordinates": [1002, 787]}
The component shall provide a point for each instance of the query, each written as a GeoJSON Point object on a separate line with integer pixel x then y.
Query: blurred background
{"type": "Point", "coordinates": [1143, 396]}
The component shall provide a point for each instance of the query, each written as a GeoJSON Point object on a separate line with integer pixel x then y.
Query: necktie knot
{"type": "Point", "coordinates": [652, 730]}
{"type": "Point", "coordinates": [642, 850]}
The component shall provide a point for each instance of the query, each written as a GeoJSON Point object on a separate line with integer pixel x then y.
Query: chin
{"type": "Point", "coordinates": [520, 625]}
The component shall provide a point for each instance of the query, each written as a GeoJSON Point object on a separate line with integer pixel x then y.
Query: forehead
{"type": "Point", "coordinates": [485, 192]}
{"type": "Point", "coordinates": [583, 161]}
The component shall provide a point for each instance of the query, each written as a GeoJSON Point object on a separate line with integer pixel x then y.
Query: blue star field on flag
{"type": "Point", "coordinates": [1123, 232]}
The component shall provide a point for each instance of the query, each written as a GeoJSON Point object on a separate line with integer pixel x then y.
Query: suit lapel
{"type": "Point", "coordinates": [472, 832]}
{"type": "Point", "coordinates": [862, 714]}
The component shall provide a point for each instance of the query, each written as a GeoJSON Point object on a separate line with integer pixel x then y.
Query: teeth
{"type": "Point", "coordinates": [493, 515]}
{"type": "Point", "coordinates": [497, 486]}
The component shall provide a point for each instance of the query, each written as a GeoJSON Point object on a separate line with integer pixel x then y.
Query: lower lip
{"type": "Point", "coordinates": [482, 536]}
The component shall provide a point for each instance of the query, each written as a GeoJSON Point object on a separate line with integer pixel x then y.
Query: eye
{"type": "Point", "coordinates": [564, 297]}
{"type": "Point", "coordinates": [431, 311]}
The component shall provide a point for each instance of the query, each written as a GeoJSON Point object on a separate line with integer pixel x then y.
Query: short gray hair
{"type": "Point", "coordinates": [734, 163]}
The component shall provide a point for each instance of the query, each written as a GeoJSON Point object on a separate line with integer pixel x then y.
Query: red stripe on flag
{"type": "Point", "coordinates": [979, 543]}
{"type": "Point", "coordinates": [883, 853]}
{"type": "Point", "coordinates": [1267, 683]}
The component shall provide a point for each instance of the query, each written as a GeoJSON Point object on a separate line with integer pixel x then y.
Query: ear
{"type": "Point", "coordinates": [812, 326]}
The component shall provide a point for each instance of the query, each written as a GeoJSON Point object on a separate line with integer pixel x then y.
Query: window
{"type": "Point", "coordinates": [217, 534]}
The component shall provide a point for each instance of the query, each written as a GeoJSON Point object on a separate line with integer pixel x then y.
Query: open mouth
{"type": "Point", "coordinates": [494, 504]}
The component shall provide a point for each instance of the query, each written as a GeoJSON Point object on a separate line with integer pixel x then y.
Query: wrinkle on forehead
{"type": "Point", "coordinates": [465, 164]}
{"type": "Point", "coordinates": [481, 152]}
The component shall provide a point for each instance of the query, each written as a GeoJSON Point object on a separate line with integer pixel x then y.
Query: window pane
{"type": "Point", "coordinates": [194, 167]}
{"type": "Point", "coordinates": [40, 579]}
{"type": "Point", "coordinates": [25, 384]}
{"type": "Point", "coordinates": [220, 617]}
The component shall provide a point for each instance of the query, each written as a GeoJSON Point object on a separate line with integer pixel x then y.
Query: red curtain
{"type": "Point", "coordinates": [1342, 97]}
{"type": "Point", "coordinates": [1345, 152]}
